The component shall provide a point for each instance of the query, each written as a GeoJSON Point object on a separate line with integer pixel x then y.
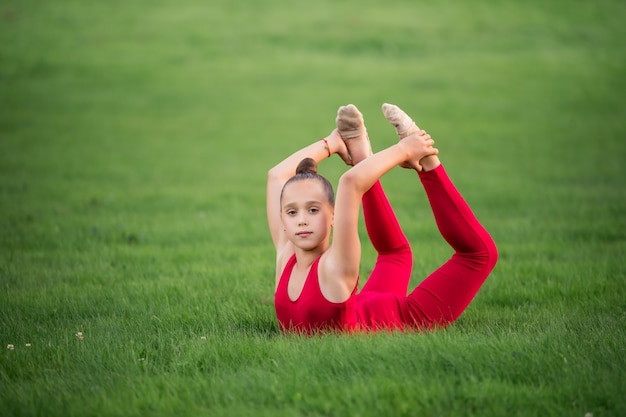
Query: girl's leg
{"type": "Point", "coordinates": [441, 298]}
{"type": "Point", "coordinates": [394, 263]}
{"type": "Point", "coordinates": [392, 271]}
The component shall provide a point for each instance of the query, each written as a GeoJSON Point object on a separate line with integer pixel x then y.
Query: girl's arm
{"type": "Point", "coordinates": [340, 270]}
{"type": "Point", "coordinates": [278, 176]}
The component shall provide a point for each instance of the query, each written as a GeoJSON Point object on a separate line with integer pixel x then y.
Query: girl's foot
{"type": "Point", "coordinates": [418, 147]}
{"type": "Point", "coordinates": [351, 127]}
{"type": "Point", "coordinates": [405, 126]}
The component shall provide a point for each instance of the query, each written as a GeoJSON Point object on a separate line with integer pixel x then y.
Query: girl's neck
{"type": "Point", "coordinates": [305, 258]}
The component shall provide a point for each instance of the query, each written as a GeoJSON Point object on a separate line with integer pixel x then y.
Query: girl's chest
{"type": "Point", "coordinates": [297, 282]}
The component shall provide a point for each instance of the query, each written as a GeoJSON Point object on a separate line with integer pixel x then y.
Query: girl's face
{"type": "Point", "coordinates": [306, 214]}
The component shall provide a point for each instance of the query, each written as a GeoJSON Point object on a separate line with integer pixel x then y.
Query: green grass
{"type": "Point", "coordinates": [135, 138]}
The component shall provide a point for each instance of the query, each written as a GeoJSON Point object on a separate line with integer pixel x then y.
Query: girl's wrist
{"type": "Point", "coordinates": [333, 142]}
{"type": "Point", "coordinates": [403, 149]}
{"type": "Point", "coordinates": [327, 146]}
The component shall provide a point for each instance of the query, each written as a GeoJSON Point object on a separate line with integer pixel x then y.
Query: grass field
{"type": "Point", "coordinates": [136, 268]}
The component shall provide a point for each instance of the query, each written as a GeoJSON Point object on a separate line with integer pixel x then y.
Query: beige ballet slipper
{"type": "Point", "coordinates": [350, 123]}
{"type": "Point", "coordinates": [401, 121]}
{"type": "Point", "coordinates": [405, 126]}
{"type": "Point", "coordinates": [351, 127]}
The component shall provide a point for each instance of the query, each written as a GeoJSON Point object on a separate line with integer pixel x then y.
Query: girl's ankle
{"type": "Point", "coordinates": [430, 162]}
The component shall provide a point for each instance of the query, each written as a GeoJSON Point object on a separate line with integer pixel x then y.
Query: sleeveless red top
{"type": "Point", "coordinates": [311, 312]}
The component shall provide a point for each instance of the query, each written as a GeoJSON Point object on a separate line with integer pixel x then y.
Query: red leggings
{"type": "Point", "coordinates": [441, 298]}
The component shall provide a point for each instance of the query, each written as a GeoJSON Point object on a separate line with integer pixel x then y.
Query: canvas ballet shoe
{"type": "Point", "coordinates": [405, 126]}
{"type": "Point", "coordinates": [351, 127]}
{"type": "Point", "coordinates": [401, 121]}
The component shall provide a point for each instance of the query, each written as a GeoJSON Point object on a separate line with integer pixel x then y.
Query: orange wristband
{"type": "Point", "coordinates": [326, 146]}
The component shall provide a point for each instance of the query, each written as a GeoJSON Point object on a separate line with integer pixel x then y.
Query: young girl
{"type": "Point", "coordinates": [316, 281]}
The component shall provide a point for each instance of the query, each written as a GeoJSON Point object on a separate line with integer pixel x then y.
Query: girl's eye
{"type": "Point", "coordinates": [291, 212]}
{"type": "Point", "coordinates": [313, 210]}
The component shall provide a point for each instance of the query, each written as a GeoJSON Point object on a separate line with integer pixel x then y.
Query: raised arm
{"type": "Point", "coordinates": [278, 176]}
{"type": "Point", "coordinates": [344, 256]}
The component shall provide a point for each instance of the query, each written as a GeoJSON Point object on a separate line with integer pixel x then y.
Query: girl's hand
{"type": "Point", "coordinates": [417, 146]}
{"type": "Point", "coordinates": [338, 146]}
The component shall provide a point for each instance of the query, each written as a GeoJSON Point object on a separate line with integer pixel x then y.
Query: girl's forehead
{"type": "Point", "coordinates": [303, 188]}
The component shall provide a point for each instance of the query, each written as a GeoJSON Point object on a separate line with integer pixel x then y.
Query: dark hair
{"type": "Point", "coordinates": [307, 170]}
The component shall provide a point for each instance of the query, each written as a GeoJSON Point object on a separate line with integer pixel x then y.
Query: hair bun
{"type": "Point", "coordinates": [307, 166]}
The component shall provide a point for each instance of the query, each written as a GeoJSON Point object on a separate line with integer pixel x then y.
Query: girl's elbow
{"type": "Point", "coordinates": [272, 173]}
{"type": "Point", "coordinates": [349, 180]}
{"type": "Point", "coordinates": [276, 175]}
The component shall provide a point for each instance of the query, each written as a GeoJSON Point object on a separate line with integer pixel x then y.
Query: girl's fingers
{"type": "Point", "coordinates": [345, 157]}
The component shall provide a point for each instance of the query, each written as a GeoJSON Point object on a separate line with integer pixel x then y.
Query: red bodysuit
{"type": "Point", "coordinates": [311, 310]}
{"type": "Point", "coordinates": [383, 302]}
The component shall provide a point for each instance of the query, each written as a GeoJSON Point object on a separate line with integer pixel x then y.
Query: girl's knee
{"type": "Point", "coordinates": [491, 252]}
{"type": "Point", "coordinates": [483, 255]}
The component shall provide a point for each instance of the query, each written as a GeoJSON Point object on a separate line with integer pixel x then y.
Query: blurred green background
{"type": "Point", "coordinates": [135, 138]}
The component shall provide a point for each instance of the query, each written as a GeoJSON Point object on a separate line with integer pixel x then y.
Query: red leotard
{"type": "Point", "coordinates": [311, 311]}
{"type": "Point", "coordinates": [382, 303]}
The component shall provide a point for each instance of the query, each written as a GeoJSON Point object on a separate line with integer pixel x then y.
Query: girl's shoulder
{"type": "Point", "coordinates": [283, 255]}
